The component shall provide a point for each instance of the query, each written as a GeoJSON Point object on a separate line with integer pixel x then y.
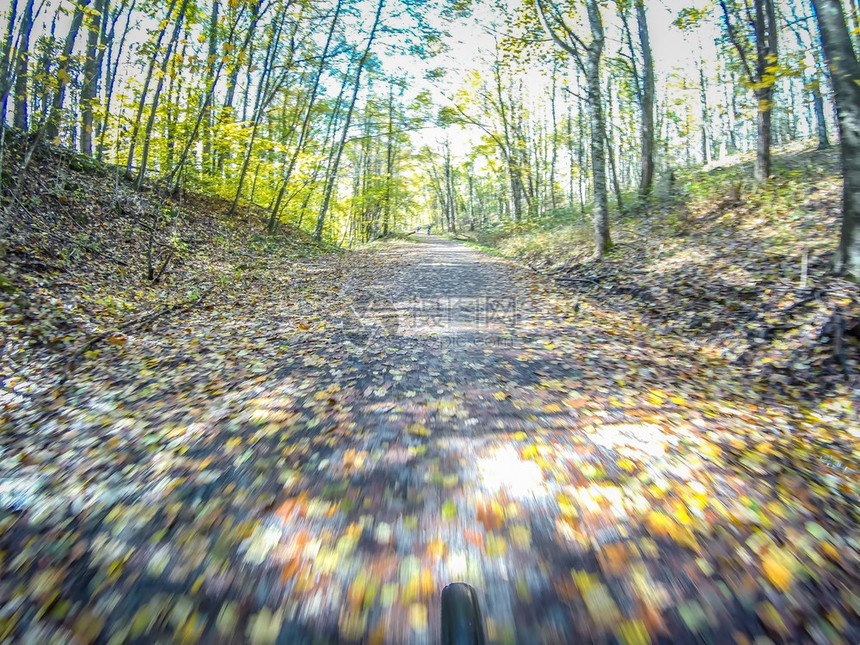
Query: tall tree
{"type": "Point", "coordinates": [800, 24]}
{"type": "Point", "coordinates": [642, 71]}
{"type": "Point", "coordinates": [646, 179]}
{"type": "Point", "coordinates": [845, 77]}
{"type": "Point", "coordinates": [95, 27]}
{"type": "Point", "coordinates": [112, 69]}
{"type": "Point", "coordinates": [150, 122]}
{"type": "Point", "coordinates": [7, 55]}
{"type": "Point", "coordinates": [332, 175]}
{"type": "Point", "coordinates": [291, 159]}
{"type": "Point", "coordinates": [587, 58]}
{"type": "Point", "coordinates": [22, 66]}
{"type": "Point", "coordinates": [269, 84]}
{"type": "Point", "coordinates": [211, 60]}
{"type": "Point", "coordinates": [761, 42]}
{"type": "Point", "coordinates": [141, 105]}
{"type": "Point", "coordinates": [52, 126]}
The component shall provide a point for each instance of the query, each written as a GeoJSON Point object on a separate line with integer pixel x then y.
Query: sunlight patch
{"type": "Point", "coordinates": [647, 438]}
{"type": "Point", "coordinates": [505, 470]}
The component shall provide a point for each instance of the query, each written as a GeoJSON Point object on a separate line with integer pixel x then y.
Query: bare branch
{"type": "Point", "coordinates": [566, 46]}
{"type": "Point", "coordinates": [734, 39]}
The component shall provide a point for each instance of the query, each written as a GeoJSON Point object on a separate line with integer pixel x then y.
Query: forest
{"type": "Point", "coordinates": [310, 308]}
{"type": "Point", "coordinates": [307, 111]}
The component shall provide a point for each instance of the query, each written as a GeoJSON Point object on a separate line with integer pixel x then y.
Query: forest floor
{"type": "Point", "coordinates": [305, 447]}
{"type": "Point", "coordinates": [741, 271]}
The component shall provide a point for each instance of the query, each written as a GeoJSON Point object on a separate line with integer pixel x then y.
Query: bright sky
{"type": "Point", "coordinates": [471, 43]}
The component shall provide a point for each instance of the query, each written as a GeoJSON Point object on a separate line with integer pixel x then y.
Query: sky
{"type": "Point", "coordinates": [470, 44]}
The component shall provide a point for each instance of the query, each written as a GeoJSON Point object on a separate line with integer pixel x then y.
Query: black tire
{"type": "Point", "coordinates": [461, 616]}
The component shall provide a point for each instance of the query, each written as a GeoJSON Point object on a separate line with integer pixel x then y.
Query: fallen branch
{"type": "Point", "coordinates": [158, 275]}
{"type": "Point", "coordinates": [837, 324]}
{"type": "Point", "coordinates": [562, 269]}
{"type": "Point", "coordinates": [145, 319]}
{"type": "Point", "coordinates": [583, 280]}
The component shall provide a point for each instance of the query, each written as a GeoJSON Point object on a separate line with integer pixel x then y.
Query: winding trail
{"type": "Point", "coordinates": [314, 473]}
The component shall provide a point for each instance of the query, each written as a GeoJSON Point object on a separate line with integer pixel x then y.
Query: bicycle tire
{"type": "Point", "coordinates": [461, 616]}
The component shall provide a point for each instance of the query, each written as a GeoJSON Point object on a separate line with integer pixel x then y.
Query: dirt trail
{"type": "Point", "coordinates": [311, 473]}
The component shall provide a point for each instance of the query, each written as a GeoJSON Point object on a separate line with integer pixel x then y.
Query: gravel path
{"type": "Point", "coordinates": [266, 475]}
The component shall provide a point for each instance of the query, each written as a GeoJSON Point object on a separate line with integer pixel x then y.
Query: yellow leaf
{"type": "Point", "coordinates": [626, 464]}
{"type": "Point", "coordinates": [774, 565]}
{"type": "Point", "coordinates": [654, 398]}
{"type": "Point", "coordinates": [633, 632]}
{"type": "Point", "coordinates": [530, 452]}
{"type": "Point", "coordinates": [418, 429]}
{"type": "Point", "coordinates": [418, 617]}
{"type": "Point", "coordinates": [566, 507]}
{"type": "Point", "coordinates": [660, 523]}
{"type": "Point", "coordinates": [521, 536]}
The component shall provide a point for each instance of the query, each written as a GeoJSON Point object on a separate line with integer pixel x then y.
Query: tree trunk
{"type": "Point", "coordinates": [508, 151]}
{"type": "Point", "coordinates": [470, 180]}
{"type": "Point", "coordinates": [646, 178]}
{"type": "Point", "coordinates": [731, 117]}
{"type": "Point", "coordinates": [111, 78]}
{"type": "Point", "coordinates": [332, 178]}
{"type": "Point", "coordinates": [764, 115]}
{"type": "Point", "coordinates": [703, 105]}
{"type": "Point", "coordinates": [147, 135]}
{"type": "Point", "coordinates": [763, 77]}
{"type": "Point", "coordinates": [813, 82]}
{"type": "Point", "coordinates": [6, 58]}
{"type": "Point", "coordinates": [389, 160]}
{"type": "Point", "coordinates": [553, 161]}
{"type": "Point", "coordinates": [171, 119]}
{"type": "Point", "coordinates": [581, 157]}
{"type": "Point", "coordinates": [175, 175]}
{"type": "Point", "coordinates": [766, 45]}
{"type": "Point", "coordinates": [206, 135]}
{"type": "Point", "coordinates": [450, 191]}
{"type": "Point", "coordinates": [610, 152]}
{"type": "Point", "coordinates": [52, 126]}
{"type": "Point", "coordinates": [303, 133]}
{"type": "Point", "coordinates": [221, 154]}
{"type": "Point", "coordinates": [587, 58]}
{"type": "Point", "coordinates": [265, 93]}
{"type": "Point", "coordinates": [855, 24]}
{"type": "Point", "coordinates": [818, 109]}
{"type": "Point", "coordinates": [22, 64]}
{"type": "Point", "coordinates": [91, 74]}
{"type": "Point", "coordinates": [142, 104]}
{"type": "Point", "coordinates": [600, 214]}
{"type": "Point", "coordinates": [845, 77]}
{"type": "Point", "coordinates": [571, 157]}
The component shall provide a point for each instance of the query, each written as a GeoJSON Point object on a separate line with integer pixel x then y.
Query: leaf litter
{"type": "Point", "coordinates": [273, 472]}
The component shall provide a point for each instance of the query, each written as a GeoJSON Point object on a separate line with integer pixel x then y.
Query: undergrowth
{"type": "Point", "coordinates": [739, 270]}
{"type": "Point", "coordinates": [82, 252]}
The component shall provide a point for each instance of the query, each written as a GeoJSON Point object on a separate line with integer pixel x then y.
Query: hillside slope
{"type": "Point", "coordinates": [85, 261]}
{"type": "Point", "coordinates": [741, 272]}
